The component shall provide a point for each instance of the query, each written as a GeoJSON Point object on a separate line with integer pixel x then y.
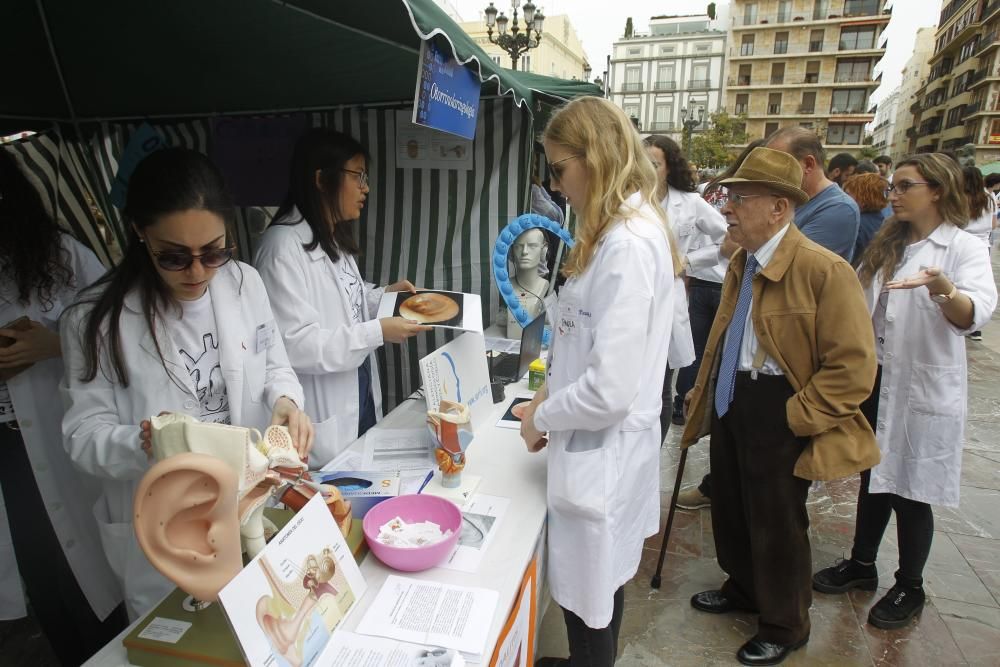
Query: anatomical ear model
{"type": "Point", "coordinates": [185, 521]}
{"type": "Point", "coordinates": [451, 427]}
{"type": "Point", "coordinates": [261, 463]}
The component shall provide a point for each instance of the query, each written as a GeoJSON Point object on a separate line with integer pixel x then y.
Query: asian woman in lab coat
{"type": "Point", "coordinates": [601, 403]}
{"type": "Point", "coordinates": [324, 308]}
{"type": "Point", "coordinates": [52, 544]}
{"type": "Point", "coordinates": [177, 326]}
{"type": "Point", "coordinates": [928, 283]}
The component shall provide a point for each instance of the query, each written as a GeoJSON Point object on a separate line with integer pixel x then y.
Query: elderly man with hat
{"type": "Point", "coordinates": [788, 363]}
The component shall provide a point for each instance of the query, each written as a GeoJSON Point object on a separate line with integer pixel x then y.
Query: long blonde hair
{"type": "Point", "coordinates": [615, 159]}
{"type": "Point", "coordinates": [885, 251]}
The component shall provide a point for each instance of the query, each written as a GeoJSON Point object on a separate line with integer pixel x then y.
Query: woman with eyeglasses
{"type": "Point", "coordinates": [601, 402]}
{"type": "Point", "coordinates": [49, 549]}
{"type": "Point", "coordinates": [928, 283]}
{"type": "Point", "coordinates": [177, 326]}
{"type": "Point", "coordinates": [325, 309]}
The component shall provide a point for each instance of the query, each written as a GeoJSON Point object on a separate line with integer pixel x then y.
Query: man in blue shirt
{"type": "Point", "coordinates": [830, 217]}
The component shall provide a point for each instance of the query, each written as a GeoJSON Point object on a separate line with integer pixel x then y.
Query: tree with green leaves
{"type": "Point", "coordinates": [629, 30]}
{"type": "Point", "coordinates": [868, 152]}
{"type": "Point", "coordinates": [714, 147]}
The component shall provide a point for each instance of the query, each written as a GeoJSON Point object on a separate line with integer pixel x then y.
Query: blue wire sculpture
{"type": "Point", "coordinates": [518, 226]}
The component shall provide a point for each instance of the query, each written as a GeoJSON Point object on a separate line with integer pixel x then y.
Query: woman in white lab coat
{"type": "Point", "coordinates": [601, 402]}
{"type": "Point", "coordinates": [324, 308]}
{"type": "Point", "coordinates": [982, 214]}
{"type": "Point", "coordinates": [928, 283]}
{"type": "Point", "coordinates": [175, 327]}
{"type": "Point", "coordinates": [54, 548]}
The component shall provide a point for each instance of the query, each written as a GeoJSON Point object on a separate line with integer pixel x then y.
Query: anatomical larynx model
{"type": "Point", "coordinates": [451, 428]}
{"type": "Point", "coordinates": [528, 254]}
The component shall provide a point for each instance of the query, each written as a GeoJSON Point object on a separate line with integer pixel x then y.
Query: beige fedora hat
{"type": "Point", "coordinates": [773, 169]}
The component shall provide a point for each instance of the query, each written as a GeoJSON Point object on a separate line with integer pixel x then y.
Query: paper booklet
{"type": "Point", "coordinates": [284, 606]}
{"type": "Point", "coordinates": [436, 308]}
{"type": "Point", "coordinates": [354, 650]}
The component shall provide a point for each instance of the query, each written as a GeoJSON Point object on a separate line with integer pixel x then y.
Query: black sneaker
{"type": "Point", "coordinates": [844, 576]}
{"type": "Point", "coordinates": [898, 606]}
{"type": "Point", "coordinates": [677, 418]}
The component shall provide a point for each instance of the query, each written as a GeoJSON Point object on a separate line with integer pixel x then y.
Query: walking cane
{"type": "Point", "coordinates": [655, 583]}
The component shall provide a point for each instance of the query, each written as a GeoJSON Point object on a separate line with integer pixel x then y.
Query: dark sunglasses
{"type": "Point", "coordinates": [180, 260]}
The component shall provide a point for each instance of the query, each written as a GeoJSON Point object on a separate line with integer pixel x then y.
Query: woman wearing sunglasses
{"type": "Point", "coordinates": [177, 326]}
{"type": "Point", "coordinates": [928, 283]}
{"type": "Point", "coordinates": [325, 309]}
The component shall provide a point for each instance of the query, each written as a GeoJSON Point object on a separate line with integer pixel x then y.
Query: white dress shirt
{"type": "Point", "coordinates": [749, 346]}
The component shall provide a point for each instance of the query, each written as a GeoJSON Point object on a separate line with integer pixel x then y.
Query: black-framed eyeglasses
{"type": "Point", "coordinates": [556, 170]}
{"type": "Point", "coordinates": [362, 176]}
{"type": "Point", "coordinates": [181, 260]}
{"type": "Point", "coordinates": [902, 187]}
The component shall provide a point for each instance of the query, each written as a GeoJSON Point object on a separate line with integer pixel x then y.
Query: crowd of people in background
{"type": "Point", "coordinates": [814, 312]}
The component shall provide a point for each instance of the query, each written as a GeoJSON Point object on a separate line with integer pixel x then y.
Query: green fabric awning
{"type": "Point", "coordinates": [991, 168]}
{"type": "Point", "coordinates": [68, 60]}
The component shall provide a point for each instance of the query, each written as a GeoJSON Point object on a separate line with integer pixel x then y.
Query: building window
{"type": "Point", "coordinates": [840, 134]}
{"type": "Point", "coordinates": [702, 47]}
{"type": "Point", "coordinates": [862, 37]}
{"type": "Point", "coordinates": [524, 64]}
{"type": "Point", "coordinates": [633, 51]}
{"type": "Point", "coordinates": [750, 14]}
{"type": "Point", "coordinates": [746, 46]}
{"type": "Point", "coordinates": [812, 71]}
{"type": "Point", "coordinates": [853, 70]}
{"type": "Point", "coordinates": [821, 9]}
{"type": "Point", "coordinates": [860, 7]}
{"type": "Point", "coordinates": [784, 11]}
{"type": "Point", "coordinates": [663, 116]}
{"type": "Point", "coordinates": [816, 41]}
{"type": "Point", "coordinates": [633, 78]}
{"type": "Point", "coordinates": [955, 116]}
{"type": "Point", "coordinates": [742, 104]}
{"type": "Point", "coordinates": [665, 77]}
{"type": "Point", "coordinates": [848, 101]}
{"type": "Point", "coordinates": [664, 50]}
{"type": "Point", "coordinates": [808, 102]}
{"type": "Point", "coordinates": [777, 73]}
{"type": "Point", "coordinates": [769, 129]}
{"type": "Point", "coordinates": [774, 104]}
{"type": "Point", "coordinates": [781, 42]}
{"type": "Point", "coordinates": [496, 59]}
{"type": "Point", "coordinates": [743, 78]}
{"type": "Point", "coordinates": [699, 76]}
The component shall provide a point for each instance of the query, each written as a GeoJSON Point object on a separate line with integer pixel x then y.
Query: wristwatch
{"type": "Point", "coordinates": [945, 298]}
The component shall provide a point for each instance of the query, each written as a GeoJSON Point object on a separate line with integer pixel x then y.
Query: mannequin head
{"type": "Point", "coordinates": [186, 522]}
{"type": "Point", "coordinates": [528, 253]}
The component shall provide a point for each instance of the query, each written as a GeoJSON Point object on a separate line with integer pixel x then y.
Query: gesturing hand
{"type": "Point", "coordinates": [534, 439]}
{"type": "Point", "coordinates": [401, 286]}
{"type": "Point", "coordinates": [930, 276]}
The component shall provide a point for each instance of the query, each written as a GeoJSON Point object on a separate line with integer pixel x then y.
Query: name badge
{"type": "Point", "coordinates": [266, 336]}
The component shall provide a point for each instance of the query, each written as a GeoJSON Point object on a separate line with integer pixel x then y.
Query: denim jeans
{"type": "Point", "coordinates": [703, 302]}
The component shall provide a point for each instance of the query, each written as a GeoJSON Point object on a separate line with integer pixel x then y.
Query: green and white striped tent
{"type": "Point", "coordinates": [88, 75]}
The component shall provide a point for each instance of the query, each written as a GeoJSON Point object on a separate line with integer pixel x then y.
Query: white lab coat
{"type": "Point", "coordinates": [699, 230]}
{"type": "Point", "coordinates": [324, 345]}
{"type": "Point", "coordinates": [602, 413]}
{"type": "Point", "coordinates": [982, 226]}
{"type": "Point", "coordinates": [69, 495]}
{"type": "Point", "coordinates": [681, 352]}
{"type": "Point", "coordinates": [922, 403]}
{"type": "Point", "coordinates": [101, 426]}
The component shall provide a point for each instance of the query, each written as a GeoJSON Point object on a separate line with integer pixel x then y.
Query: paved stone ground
{"type": "Point", "coordinates": [960, 624]}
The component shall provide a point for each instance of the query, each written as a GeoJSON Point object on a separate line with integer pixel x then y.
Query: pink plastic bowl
{"type": "Point", "coordinates": [413, 509]}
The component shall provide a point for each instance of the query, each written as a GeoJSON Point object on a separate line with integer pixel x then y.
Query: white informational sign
{"type": "Point", "coordinates": [436, 308]}
{"type": "Point", "coordinates": [422, 148]}
{"type": "Point", "coordinates": [350, 649]}
{"type": "Point", "coordinates": [481, 517]}
{"type": "Point", "coordinates": [457, 371]}
{"type": "Point", "coordinates": [285, 605]}
{"type": "Point", "coordinates": [428, 612]}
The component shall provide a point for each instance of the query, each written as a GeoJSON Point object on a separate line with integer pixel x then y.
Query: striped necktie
{"type": "Point", "coordinates": [726, 383]}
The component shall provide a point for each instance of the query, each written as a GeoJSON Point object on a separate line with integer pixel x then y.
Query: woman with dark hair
{"type": "Point", "coordinates": [175, 327]}
{"type": "Point", "coordinates": [982, 214]}
{"type": "Point", "coordinates": [927, 282]}
{"type": "Point", "coordinates": [869, 191]}
{"type": "Point", "coordinates": [699, 230]}
{"type": "Point", "coordinates": [325, 309]}
{"type": "Point", "coordinates": [53, 546]}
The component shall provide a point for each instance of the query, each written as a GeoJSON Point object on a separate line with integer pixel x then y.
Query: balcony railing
{"type": "Point", "coordinates": [746, 49]}
{"type": "Point", "coordinates": [845, 46]}
{"type": "Point", "coordinates": [774, 109]}
{"type": "Point", "coordinates": [743, 81]}
{"type": "Point", "coordinates": [699, 83]}
{"type": "Point", "coordinates": [807, 110]}
{"type": "Point", "coordinates": [840, 111]}
{"type": "Point", "coordinates": [971, 109]}
{"type": "Point", "coordinates": [987, 41]}
{"type": "Point", "coordinates": [811, 78]}
{"type": "Point", "coordinates": [816, 46]}
{"type": "Point", "coordinates": [661, 126]}
{"type": "Point", "coordinates": [665, 85]}
{"type": "Point", "coordinates": [740, 109]}
{"type": "Point", "coordinates": [851, 77]}
{"type": "Point", "coordinates": [989, 9]}
{"type": "Point", "coordinates": [781, 47]}
{"type": "Point", "coordinates": [630, 87]}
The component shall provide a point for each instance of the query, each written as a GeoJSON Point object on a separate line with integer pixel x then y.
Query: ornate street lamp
{"type": "Point", "coordinates": [515, 42]}
{"type": "Point", "coordinates": [689, 125]}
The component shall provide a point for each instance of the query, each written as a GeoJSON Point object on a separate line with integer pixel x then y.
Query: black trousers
{"type": "Point", "coordinates": [703, 303]}
{"type": "Point", "coordinates": [594, 648]}
{"type": "Point", "coordinates": [759, 509]}
{"type": "Point", "coordinates": [914, 519]}
{"type": "Point", "coordinates": [666, 405]}
{"type": "Point", "coordinates": [61, 608]}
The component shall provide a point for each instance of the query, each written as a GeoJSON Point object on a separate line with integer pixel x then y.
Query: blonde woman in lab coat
{"type": "Point", "coordinates": [324, 308]}
{"type": "Point", "coordinates": [928, 283]}
{"type": "Point", "coordinates": [177, 326]}
{"type": "Point", "coordinates": [601, 403]}
{"type": "Point", "coordinates": [52, 545]}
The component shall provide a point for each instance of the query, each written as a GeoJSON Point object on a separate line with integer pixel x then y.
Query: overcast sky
{"type": "Point", "coordinates": [599, 24]}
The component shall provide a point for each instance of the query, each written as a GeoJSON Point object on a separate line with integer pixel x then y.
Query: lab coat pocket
{"type": "Point", "coordinates": [576, 482]}
{"type": "Point", "coordinates": [116, 539]}
{"type": "Point", "coordinates": [255, 372]}
{"type": "Point", "coordinates": [936, 390]}
{"type": "Point", "coordinates": [327, 439]}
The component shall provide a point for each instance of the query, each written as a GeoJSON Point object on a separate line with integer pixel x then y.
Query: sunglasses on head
{"type": "Point", "coordinates": [180, 260]}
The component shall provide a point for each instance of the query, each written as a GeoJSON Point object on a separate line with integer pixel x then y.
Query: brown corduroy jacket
{"type": "Point", "coordinates": [810, 316]}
